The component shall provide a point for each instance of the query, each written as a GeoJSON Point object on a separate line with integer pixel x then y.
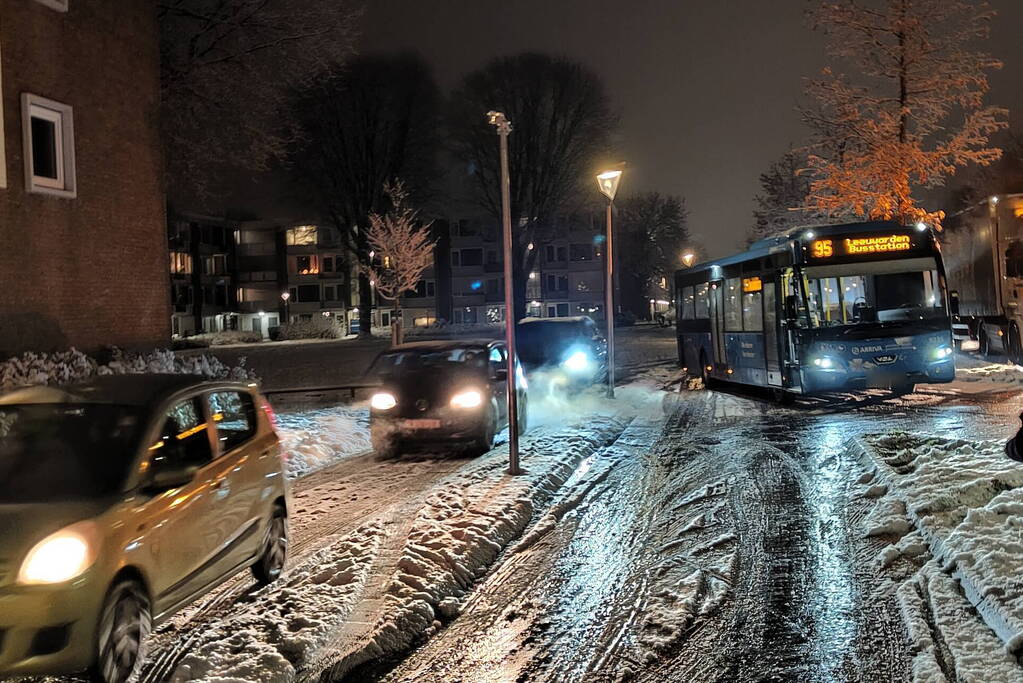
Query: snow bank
{"type": "Point", "coordinates": [965, 500]}
{"type": "Point", "coordinates": [64, 367]}
{"type": "Point", "coordinates": [462, 527]}
{"type": "Point", "coordinates": [313, 439]}
{"type": "Point", "coordinates": [284, 625]}
{"type": "Point", "coordinates": [969, 369]}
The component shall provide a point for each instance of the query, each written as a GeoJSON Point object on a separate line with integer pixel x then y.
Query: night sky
{"type": "Point", "coordinates": [706, 89]}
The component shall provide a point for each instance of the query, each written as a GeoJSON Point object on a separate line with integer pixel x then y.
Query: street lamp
{"type": "Point", "coordinates": [607, 182]}
{"type": "Point", "coordinates": [503, 126]}
{"type": "Point", "coordinates": [285, 297]}
{"type": "Point", "coordinates": [688, 259]}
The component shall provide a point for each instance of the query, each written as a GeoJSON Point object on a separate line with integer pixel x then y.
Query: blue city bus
{"type": "Point", "coordinates": [828, 308]}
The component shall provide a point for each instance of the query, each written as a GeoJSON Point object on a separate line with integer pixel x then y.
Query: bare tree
{"type": "Point", "coordinates": [781, 203]}
{"type": "Point", "coordinates": [561, 127]}
{"type": "Point", "coordinates": [651, 237]}
{"type": "Point", "coordinates": [228, 68]}
{"type": "Point", "coordinates": [403, 250]}
{"type": "Point", "coordinates": [898, 131]}
{"type": "Point", "coordinates": [365, 128]}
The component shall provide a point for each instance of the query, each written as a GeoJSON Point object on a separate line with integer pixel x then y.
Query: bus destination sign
{"type": "Point", "coordinates": [858, 246]}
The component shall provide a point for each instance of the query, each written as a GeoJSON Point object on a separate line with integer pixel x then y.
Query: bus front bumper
{"type": "Point", "coordinates": [878, 377]}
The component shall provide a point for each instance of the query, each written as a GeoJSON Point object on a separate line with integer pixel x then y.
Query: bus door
{"type": "Point", "coordinates": [789, 291]}
{"type": "Point", "coordinates": [717, 320]}
{"type": "Point", "coordinates": [774, 370]}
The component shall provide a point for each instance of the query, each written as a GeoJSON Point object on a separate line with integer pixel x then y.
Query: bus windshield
{"type": "Point", "coordinates": [904, 294]}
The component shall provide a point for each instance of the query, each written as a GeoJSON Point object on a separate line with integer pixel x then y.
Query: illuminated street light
{"type": "Point", "coordinates": [688, 259]}
{"type": "Point", "coordinates": [503, 126]}
{"type": "Point", "coordinates": [607, 183]}
{"type": "Point", "coordinates": [285, 297]}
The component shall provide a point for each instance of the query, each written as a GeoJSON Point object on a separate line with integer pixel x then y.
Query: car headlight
{"type": "Point", "coordinates": [942, 352]}
{"type": "Point", "coordinates": [577, 361]}
{"type": "Point", "coordinates": [383, 401]}
{"type": "Point", "coordinates": [61, 556]}
{"type": "Point", "coordinates": [466, 399]}
{"type": "Point", "coordinates": [825, 363]}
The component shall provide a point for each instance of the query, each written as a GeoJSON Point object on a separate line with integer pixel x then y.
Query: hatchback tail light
{"type": "Point", "coordinates": [270, 414]}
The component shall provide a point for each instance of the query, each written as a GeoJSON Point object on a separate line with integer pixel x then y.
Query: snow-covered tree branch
{"type": "Point", "coordinates": [918, 114]}
{"type": "Point", "coordinates": [402, 250]}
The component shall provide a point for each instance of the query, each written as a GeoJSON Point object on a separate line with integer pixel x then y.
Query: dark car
{"type": "Point", "coordinates": [442, 391]}
{"type": "Point", "coordinates": [573, 348]}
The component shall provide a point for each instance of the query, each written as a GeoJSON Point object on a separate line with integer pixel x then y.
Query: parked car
{"type": "Point", "coordinates": [572, 348]}
{"type": "Point", "coordinates": [123, 499]}
{"type": "Point", "coordinates": [442, 392]}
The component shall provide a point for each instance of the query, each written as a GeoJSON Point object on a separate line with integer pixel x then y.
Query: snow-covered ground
{"type": "Point", "coordinates": [377, 590]}
{"type": "Point", "coordinates": [953, 511]}
{"type": "Point", "coordinates": [313, 439]}
{"type": "Point", "coordinates": [979, 373]}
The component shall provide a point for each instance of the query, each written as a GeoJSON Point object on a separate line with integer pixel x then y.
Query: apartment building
{"type": "Point", "coordinates": [82, 217]}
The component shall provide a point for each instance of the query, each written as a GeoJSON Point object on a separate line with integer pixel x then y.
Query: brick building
{"type": "Point", "coordinates": [83, 258]}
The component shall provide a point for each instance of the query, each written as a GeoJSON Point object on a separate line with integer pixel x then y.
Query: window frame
{"type": "Point", "coordinates": [56, 5]}
{"type": "Point", "coordinates": [219, 447]}
{"type": "Point", "coordinates": [62, 117]}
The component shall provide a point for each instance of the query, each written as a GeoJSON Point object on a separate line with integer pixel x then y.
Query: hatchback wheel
{"type": "Point", "coordinates": [124, 626]}
{"type": "Point", "coordinates": [275, 549]}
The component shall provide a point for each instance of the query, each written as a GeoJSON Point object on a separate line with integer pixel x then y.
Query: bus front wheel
{"type": "Point", "coordinates": [1012, 342]}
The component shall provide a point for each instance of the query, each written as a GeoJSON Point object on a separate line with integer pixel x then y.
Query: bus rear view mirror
{"type": "Point", "coordinates": [953, 302]}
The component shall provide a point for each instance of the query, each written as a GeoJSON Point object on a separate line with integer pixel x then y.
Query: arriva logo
{"type": "Point", "coordinates": [867, 349]}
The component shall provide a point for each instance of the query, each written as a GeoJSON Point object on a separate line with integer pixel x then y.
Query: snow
{"type": "Point", "coordinates": [64, 367]}
{"type": "Point", "coordinates": [964, 500]}
{"type": "Point", "coordinates": [983, 373]}
{"type": "Point", "coordinates": [413, 572]}
{"type": "Point", "coordinates": [286, 623]}
{"type": "Point", "coordinates": [313, 439]}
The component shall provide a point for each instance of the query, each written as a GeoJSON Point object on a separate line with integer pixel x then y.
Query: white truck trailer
{"type": "Point", "coordinates": [982, 248]}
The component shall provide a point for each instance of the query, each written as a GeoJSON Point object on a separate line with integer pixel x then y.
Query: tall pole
{"type": "Point", "coordinates": [609, 296]}
{"type": "Point", "coordinates": [503, 125]}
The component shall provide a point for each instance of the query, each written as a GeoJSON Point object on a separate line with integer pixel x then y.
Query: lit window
{"type": "Point", "coordinates": [180, 262]}
{"type": "Point", "coordinates": [305, 265]}
{"type": "Point", "coordinates": [49, 145]}
{"type": "Point", "coordinates": [301, 235]}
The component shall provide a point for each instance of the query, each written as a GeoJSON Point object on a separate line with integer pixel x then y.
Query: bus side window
{"type": "Point", "coordinates": [688, 303]}
{"type": "Point", "coordinates": [702, 304]}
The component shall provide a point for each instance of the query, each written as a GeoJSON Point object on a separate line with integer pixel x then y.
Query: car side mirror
{"type": "Point", "coordinates": [171, 477]}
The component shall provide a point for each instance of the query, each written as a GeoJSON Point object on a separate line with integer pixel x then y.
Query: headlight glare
{"type": "Point", "coordinates": [942, 352]}
{"type": "Point", "coordinates": [383, 401]}
{"type": "Point", "coordinates": [824, 363]}
{"type": "Point", "coordinates": [61, 556]}
{"type": "Point", "coordinates": [466, 399]}
{"type": "Point", "coordinates": [577, 361]}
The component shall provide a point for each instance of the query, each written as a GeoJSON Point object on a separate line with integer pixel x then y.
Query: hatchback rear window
{"type": "Point", "coordinates": [52, 452]}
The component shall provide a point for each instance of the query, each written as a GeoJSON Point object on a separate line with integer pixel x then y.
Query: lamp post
{"type": "Point", "coordinates": [503, 126]}
{"type": "Point", "coordinates": [688, 259]}
{"type": "Point", "coordinates": [285, 297]}
{"type": "Point", "coordinates": [607, 182]}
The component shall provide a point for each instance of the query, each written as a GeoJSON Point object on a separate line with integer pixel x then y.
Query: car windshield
{"type": "Point", "coordinates": [870, 295]}
{"type": "Point", "coordinates": [51, 452]}
{"type": "Point", "coordinates": [417, 359]}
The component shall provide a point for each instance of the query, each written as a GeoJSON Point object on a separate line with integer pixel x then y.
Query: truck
{"type": "Point", "coordinates": [982, 247]}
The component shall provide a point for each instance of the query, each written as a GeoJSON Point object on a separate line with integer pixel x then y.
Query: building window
{"type": "Point", "coordinates": [180, 263]}
{"type": "Point", "coordinates": [308, 264]}
{"type": "Point", "coordinates": [59, 5]}
{"type": "Point", "coordinates": [557, 283]}
{"type": "Point", "coordinates": [330, 293]}
{"type": "Point", "coordinates": [301, 235]}
{"type": "Point", "coordinates": [49, 142]}
{"type": "Point", "coordinates": [328, 264]}
{"type": "Point", "coordinates": [308, 293]}
{"type": "Point", "coordinates": [469, 257]}
{"type": "Point", "coordinates": [582, 252]}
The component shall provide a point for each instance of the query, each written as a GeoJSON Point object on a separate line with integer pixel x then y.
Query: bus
{"type": "Point", "coordinates": [820, 309]}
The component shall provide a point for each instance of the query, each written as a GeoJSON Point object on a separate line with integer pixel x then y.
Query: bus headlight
{"type": "Point", "coordinates": [825, 363]}
{"type": "Point", "coordinates": [577, 361]}
{"type": "Point", "coordinates": [943, 352]}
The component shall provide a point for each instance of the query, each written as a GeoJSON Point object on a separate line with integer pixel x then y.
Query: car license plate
{"type": "Point", "coordinates": [422, 424]}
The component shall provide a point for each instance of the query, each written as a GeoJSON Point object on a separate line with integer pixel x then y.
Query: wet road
{"type": "Point", "coordinates": [730, 549]}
